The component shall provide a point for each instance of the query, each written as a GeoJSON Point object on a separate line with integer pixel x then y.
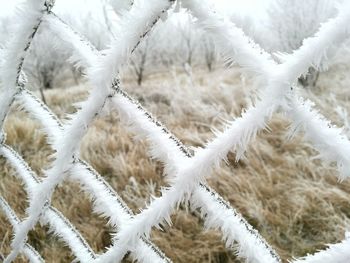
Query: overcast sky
{"type": "Point", "coordinates": [254, 8]}
{"type": "Point", "coordinates": [6, 6]}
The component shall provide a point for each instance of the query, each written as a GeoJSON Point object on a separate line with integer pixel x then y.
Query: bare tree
{"type": "Point", "coordinates": [189, 37]}
{"type": "Point", "coordinates": [292, 21]}
{"type": "Point", "coordinates": [209, 52]}
{"type": "Point", "coordinates": [45, 64]}
{"type": "Point", "coordinates": [139, 60]}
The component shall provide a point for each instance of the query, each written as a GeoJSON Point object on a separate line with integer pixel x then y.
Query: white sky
{"type": "Point", "coordinates": [6, 7]}
{"type": "Point", "coordinates": [254, 8]}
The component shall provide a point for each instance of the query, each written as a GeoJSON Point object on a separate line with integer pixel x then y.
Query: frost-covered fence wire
{"type": "Point", "coordinates": [186, 173]}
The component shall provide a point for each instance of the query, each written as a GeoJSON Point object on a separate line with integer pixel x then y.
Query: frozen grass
{"type": "Point", "coordinates": [292, 198]}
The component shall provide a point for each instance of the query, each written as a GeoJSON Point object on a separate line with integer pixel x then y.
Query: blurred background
{"type": "Point", "coordinates": [281, 187]}
{"type": "Point", "coordinates": [276, 25]}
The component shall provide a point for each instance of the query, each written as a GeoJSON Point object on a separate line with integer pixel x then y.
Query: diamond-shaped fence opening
{"type": "Point", "coordinates": [185, 171]}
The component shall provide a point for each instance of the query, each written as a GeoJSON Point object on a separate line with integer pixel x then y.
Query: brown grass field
{"type": "Point", "coordinates": [294, 199]}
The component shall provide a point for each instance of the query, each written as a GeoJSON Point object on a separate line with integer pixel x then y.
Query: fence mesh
{"type": "Point", "coordinates": [185, 171]}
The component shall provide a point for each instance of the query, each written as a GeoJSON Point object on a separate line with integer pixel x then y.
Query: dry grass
{"type": "Point", "coordinates": [293, 199]}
